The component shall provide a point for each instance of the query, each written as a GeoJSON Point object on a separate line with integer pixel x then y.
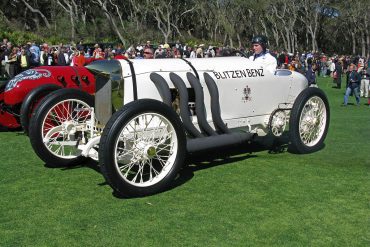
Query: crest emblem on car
{"type": "Point", "coordinates": [31, 74]}
{"type": "Point", "coordinates": [246, 94]}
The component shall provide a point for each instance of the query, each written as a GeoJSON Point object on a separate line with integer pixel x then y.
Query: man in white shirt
{"type": "Point", "coordinates": [261, 55]}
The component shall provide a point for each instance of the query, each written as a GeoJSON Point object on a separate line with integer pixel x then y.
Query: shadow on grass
{"type": "Point", "coordinates": [199, 161]}
{"type": "Point", "coordinates": [220, 157]}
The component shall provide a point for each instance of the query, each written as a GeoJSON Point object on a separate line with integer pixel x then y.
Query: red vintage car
{"type": "Point", "coordinates": [20, 95]}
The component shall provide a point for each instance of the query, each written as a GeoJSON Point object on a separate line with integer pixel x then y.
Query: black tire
{"type": "Point", "coordinates": [152, 152]}
{"type": "Point", "coordinates": [51, 113]}
{"type": "Point", "coordinates": [309, 121]}
{"type": "Point", "coordinates": [30, 102]}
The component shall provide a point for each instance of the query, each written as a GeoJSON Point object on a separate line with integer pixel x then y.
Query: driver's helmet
{"type": "Point", "coordinates": [260, 39]}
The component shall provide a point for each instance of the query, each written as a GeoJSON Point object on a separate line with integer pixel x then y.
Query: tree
{"type": "Point", "coordinates": [168, 14]}
{"type": "Point", "coordinates": [106, 6]}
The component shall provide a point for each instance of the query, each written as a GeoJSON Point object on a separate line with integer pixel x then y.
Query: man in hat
{"type": "Point", "coordinates": [261, 54]}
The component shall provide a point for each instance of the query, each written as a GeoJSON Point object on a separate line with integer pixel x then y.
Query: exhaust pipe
{"type": "Point", "coordinates": [184, 108]}
{"type": "Point", "coordinates": [210, 143]}
{"type": "Point", "coordinates": [199, 105]}
{"type": "Point", "coordinates": [162, 87]}
{"type": "Point", "coordinates": [215, 104]}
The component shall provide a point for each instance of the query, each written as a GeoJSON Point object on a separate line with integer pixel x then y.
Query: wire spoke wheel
{"type": "Point", "coordinates": [59, 125]}
{"type": "Point", "coordinates": [142, 148]}
{"type": "Point", "coordinates": [312, 121]}
{"type": "Point", "coordinates": [63, 127]}
{"type": "Point", "coordinates": [309, 121]}
{"type": "Point", "coordinates": [278, 122]}
{"type": "Point", "coordinates": [146, 149]}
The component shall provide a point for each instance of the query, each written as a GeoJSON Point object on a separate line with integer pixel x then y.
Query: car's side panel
{"type": "Point", "coordinates": [248, 92]}
{"type": "Point", "coordinates": [30, 79]}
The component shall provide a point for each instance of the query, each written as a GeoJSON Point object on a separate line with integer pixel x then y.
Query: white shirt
{"type": "Point", "coordinates": [267, 61]}
{"type": "Point", "coordinates": [332, 66]}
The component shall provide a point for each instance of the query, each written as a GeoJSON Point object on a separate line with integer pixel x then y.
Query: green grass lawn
{"type": "Point", "coordinates": [258, 199]}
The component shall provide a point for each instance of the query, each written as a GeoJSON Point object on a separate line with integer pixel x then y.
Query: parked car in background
{"type": "Point", "coordinates": [20, 95]}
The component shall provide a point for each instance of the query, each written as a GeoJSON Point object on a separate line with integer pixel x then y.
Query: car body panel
{"type": "Point", "coordinates": [248, 93]}
{"type": "Point", "coordinates": [16, 89]}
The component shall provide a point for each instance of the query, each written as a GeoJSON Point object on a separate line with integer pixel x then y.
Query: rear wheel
{"type": "Point", "coordinates": [142, 148]}
{"type": "Point", "coordinates": [309, 121]}
{"type": "Point", "coordinates": [58, 125]}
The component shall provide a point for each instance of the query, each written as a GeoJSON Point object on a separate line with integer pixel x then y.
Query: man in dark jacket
{"type": "Point", "coordinates": [311, 74]}
{"type": "Point", "coordinates": [61, 58]}
{"type": "Point", "coordinates": [353, 84]}
{"type": "Point", "coordinates": [338, 73]}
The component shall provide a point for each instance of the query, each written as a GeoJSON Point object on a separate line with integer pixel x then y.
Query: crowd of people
{"type": "Point", "coordinates": [355, 69]}
{"type": "Point", "coordinates": [15, 59]}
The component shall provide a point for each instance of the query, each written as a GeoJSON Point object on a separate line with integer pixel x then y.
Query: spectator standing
{"type": "Point", "coordinates": [281, 59]}
{"type": "Point", "coordinates": [193, 52]}
{"type": "Point", "coordinates": [119, 49]}
{"type": "Point", "coordinates": [24, 59]}
{"type": "Point", "coordinates": [199, 51]}
{"type": "Point", "coordinates": [176, 52]}
{"type": "Point", "coordinates": [159, 53]}
{"type": "Point", "coordinates": [187, 52]}
{"type": "Point", "coordinates": [80, 46]}
{"type": "Point", "coordinates": [353, 83]}
{"type": "Point", "coordinates": [168, 51]}
{"type": "Point", "coordinates": [332, 67]}
{"type": "Point", "coordinates": [364, 87]}
{"type": "Point", "coordinates": [95, 53]}
{"type": "Point", "coordinates": [52, 58]}
{"type": "Point", "coordinates": [337, 75]}
{"type": "Point", "coordinates": [119, 55]}
{"type": "Point", "coordinates": [35, 54]}
{"type": "Point", "coordinates": [2, 69]}
{"type": "Point", "coordinates": [311, 74]}
{"type": "Point", "coordinates": [324, 69]}
{"type": "Point", "coordinates": [61, 59]}
{"type": "Point", "coordinates": [148, 53]}
{"type": "Point", "coordinates": [44, 54]}
{"type": "Point", "coordinates": [13, 63]}
{"type": "Point", "coordinates": [148, 45]}
{"type": "Point", "coordinates": [7, 52]}
{"type": "Point", "coordinates": [78, 59]}
{"type": "Point", "coordinates": [98, 53]}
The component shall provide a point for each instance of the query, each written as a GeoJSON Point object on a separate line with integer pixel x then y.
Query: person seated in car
{"type": "Point", "coordinates": [261, 55]}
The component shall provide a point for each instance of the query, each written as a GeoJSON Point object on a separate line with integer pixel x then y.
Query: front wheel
{"type": "Point", "coordinates": [142, 148]}
{"type": "Point", "coordinates": [309, 121]}
{"type": "Point", "coordinates": [58, 125]}
{"type": "Point", "coordinates": [31, 101]}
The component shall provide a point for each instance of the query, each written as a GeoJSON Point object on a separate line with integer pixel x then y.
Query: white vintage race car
{"type": "Point", "coordinates": [147, 115]}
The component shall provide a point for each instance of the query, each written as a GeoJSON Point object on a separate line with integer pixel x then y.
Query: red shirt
{"type": "Point", "coordinates": [120, 56]}
{"type": "Point", "coordinates": [79, 60]}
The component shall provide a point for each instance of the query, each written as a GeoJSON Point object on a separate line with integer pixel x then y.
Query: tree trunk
{"type": "Point", "coordinates": [285, 42]}
{"type": "Point", "coordinates": [225, 38]}
{"type": "Point", "coordinates": [353, 43]}
{"type": "Point", "coordinates": [73, 29]}
{"type": "Point", "coordinates": [289, 45]}
{"type": "Point", "coordinates": [368, 43]}
{"type": "Point", "coordinates": [363, 44]}
{"type": "Point", "coordinates": [239, 40]}
{"type": "Point", "coordinates": [38, 12]}
{"type": "Point", "coordinates": [231, 41]}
